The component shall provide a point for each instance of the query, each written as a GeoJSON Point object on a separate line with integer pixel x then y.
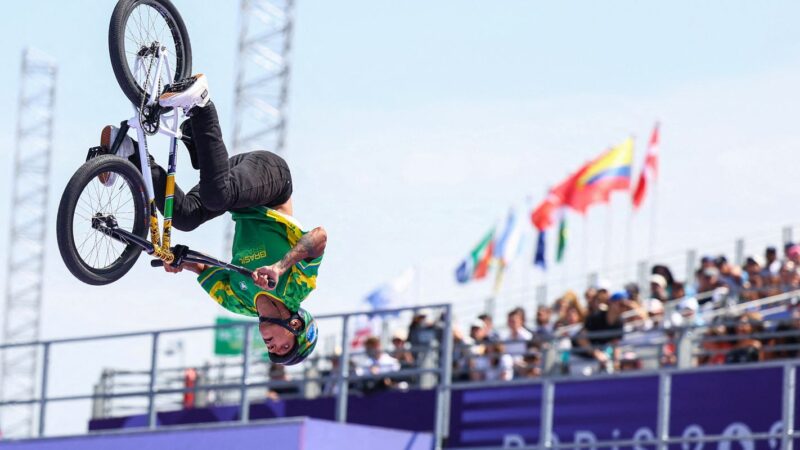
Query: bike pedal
{"type": "Point", "coordinates": [94, 152]}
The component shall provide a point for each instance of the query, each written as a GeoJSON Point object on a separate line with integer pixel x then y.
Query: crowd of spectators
{"type": "Point", "coordinates": [609, 330]}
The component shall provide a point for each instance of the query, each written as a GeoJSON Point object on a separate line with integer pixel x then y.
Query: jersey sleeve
{"type": "Point", "coordinates": [217, 282]}
{"type": "Point", "coordinates": [301, 280]}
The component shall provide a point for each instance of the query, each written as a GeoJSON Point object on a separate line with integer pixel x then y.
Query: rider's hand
{"type": "Point", "coordinates": [171, 269]}
{"type": "Point", "coordinates": [192, 267]}
{"type": "Point", "coordinates": [262, 275]}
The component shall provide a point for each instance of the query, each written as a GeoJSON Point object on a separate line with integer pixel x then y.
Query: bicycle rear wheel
{"type": "Point", "coordinates": [137, 27]}
{"type": "Point", "coordinates": [92, 256]}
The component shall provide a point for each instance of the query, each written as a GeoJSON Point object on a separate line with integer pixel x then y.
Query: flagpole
{"type": "Point", "coordinates": [607, 244]}
{"type": "Point", "coordinates": [653, 221]}
{"type": "Point", "coordinates": [630, 230]}
{"type": "Point", "coordinates": [585, 250]}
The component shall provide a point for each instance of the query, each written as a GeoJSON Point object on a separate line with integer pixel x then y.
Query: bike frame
{"type": "Point", "coordinates": [168, 125]}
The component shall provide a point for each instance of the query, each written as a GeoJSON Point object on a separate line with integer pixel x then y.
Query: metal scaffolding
{"type": "Point", "coordinates": [26, 244]}
{"type": "Point", "coordinates": [262, 79]}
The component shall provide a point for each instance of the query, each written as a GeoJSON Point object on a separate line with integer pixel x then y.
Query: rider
{"type": "Point", "coordinates": [256, 188]}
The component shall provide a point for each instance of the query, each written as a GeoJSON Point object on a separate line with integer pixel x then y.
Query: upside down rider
{"type": "Point", "coordinates": [256, 187]}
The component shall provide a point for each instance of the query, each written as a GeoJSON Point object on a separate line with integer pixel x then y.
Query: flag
{"type": "Point", "coordinates": [562, 237]}
{"type": "Point", "coordinates": [390, 293]}
{"type": "Point", "coordinates": [609, 172]}
{"type": "Point", "coordinates": [542, 216]}
{"type": "Point", "coordinates": [507, 243]}
{"type": "Point", "coordinates": [538, 259]}
{"type": "Point", "coordinates": [649, 171]}
{"type": "Point", "coordinates": [476, 264]}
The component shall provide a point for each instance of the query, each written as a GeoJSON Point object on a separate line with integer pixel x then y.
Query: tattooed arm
{"type": "Point", "coordinates": [310, 246]}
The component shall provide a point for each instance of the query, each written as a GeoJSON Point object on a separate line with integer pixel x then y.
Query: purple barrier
{"type": "Point", "coordinates": [393, 408]}
{"type": "Point", "coordinates": [290, 434]}
{"type": "Point", "coordinates": [734, 403]}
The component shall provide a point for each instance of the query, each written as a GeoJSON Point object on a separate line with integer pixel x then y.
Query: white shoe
{"type": "Point", "coordinates": [186, 94]}
{"type": "Point", "coordinates": [126, 149]}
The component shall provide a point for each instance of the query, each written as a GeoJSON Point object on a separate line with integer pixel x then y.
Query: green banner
{"type": "Point", "coordinates": [228, 341]}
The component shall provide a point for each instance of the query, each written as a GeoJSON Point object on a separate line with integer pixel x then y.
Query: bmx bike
{"type": "Point", "coordinates": [108, 205]}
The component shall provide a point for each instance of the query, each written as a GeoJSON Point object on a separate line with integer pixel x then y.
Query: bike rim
{"type": "Point", "coordinates": [146, 25]}
{"type": "Point", "coordinates": [97, 250]}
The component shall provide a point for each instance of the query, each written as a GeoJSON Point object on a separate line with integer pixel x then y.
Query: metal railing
{"type": "Point", "coordinates": [687, 341]}
{"type": "Point", "coordinates": [342, 378]}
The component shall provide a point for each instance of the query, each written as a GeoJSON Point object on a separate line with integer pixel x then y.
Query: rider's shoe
{"type": "Point", "coordinates": [126, 149]}
{"type": "Point", "coordinates": [186, 93]}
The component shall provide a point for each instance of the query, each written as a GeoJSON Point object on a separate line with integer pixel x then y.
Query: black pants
{"type": "Point", "coordinates": [258, 178]}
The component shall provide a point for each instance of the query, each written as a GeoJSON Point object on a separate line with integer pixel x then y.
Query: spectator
{"type": "Point", "coordinates": [772, 265]}
{"type": "Point", "coordinates": [531, 366]}
{"type": "Point", "coordinates": [517, 335]}
{"type": "Point", "coordinates": [376, 362]}
{"type": "Point", "coordinates": [688, 309]}
{"type": "Point", "coordinates": [494, 365]}
{"type": "Point", "coordinates": [786, 343]}
{"type": "Point", "coordinates": [563, 305]}
{"type": "Point", "coordinates": [747, 348]}
{"type": "Point", "coordinates": [658, 287]}
{"type": "Point", "coordinates": [789, 277]}
{"type": "Point", "coordinates": [589, 295]}
{"type": "Point", "coordinates": [277, 372]}
{"type": "Point", "coordinates": [543, 331]}
{"type": "Point", "coordinates": [400, 352]}
{"type": "Point", "coordinates": [602, 331]}
{"type": "Point", "coordinates": [421, 335]}
{"type": "Point", "coordinates": [716, 342]}
{"type": "Point", "coordinates": [633, 292]}
{"type": "Point", "coordinates": [660, 269]}
{"type": "Point", "coordinates": [669, 351]}
{"type": "Point", "coordinates": [708, 281]}
{"type": "Point", "coordinates": [491, 333]}
{"type": "Point", "coordinates": [599, 302]}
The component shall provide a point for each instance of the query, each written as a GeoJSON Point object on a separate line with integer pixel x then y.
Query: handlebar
{"type": "Point", "coordinates": [242, 270]}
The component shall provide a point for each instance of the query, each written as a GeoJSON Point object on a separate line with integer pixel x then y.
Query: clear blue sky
{"type": "Point", "coordinates": [414, 125]}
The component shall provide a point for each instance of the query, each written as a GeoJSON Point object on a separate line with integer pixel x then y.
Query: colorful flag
{"type": "Point", "coordinates": [542, 216]}
{"type": "Point", "coordinates": [611, 171]}
{"type": "Point", "coordinates": [562, 237]}
{"type": "Point", "coordinates": [507, 242]}
{"type": "Point", "coordinates": [539, 259]}
{"type": "Point", "coordinates": [476, 265]}
{"type": "Point", "coordinates": [649, 171]}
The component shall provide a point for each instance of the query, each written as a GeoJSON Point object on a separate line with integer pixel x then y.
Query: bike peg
{"type": "Point", "coordinates": [156, 263]}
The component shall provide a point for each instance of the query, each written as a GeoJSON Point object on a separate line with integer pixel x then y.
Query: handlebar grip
{"type": "Point", "coordinates": [271, 283]}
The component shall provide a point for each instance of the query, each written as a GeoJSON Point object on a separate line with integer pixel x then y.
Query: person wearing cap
{"type": "Point", "coordinates": [658, 287]}
{"type": "Point", "coordinates": [491, 333]}
{"type": "Point", "coordinates": [599, 300]}
{"type": "Point", "coordinates": [602, 331]}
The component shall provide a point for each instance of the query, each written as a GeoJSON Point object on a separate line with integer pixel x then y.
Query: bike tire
{"type": "Point", "coordinates": [116, 44]}
{"type": "Point", "coordinates": [68, 214]}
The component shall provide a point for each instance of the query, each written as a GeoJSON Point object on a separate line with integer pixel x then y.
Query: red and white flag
{"type": "Point", "coordinates": [649, 171]}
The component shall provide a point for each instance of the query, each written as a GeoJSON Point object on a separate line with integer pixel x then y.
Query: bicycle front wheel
{"type": "Point", "coordinates": [137, 28]}
{"type": "Point", "coordinates": [106, 187]}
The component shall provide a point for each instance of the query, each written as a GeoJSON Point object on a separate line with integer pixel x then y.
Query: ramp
{"type": "Point", "coordinates": [285, 434]}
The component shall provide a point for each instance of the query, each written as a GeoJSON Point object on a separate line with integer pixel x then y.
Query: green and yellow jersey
{"type": "Point", "coordinates": [262, 237]}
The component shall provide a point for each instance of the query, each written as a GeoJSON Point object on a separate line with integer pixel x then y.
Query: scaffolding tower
{"type": "Point", "coordinates": [262, 79]}
{"type": "Point", "coordinates": [26, 244]}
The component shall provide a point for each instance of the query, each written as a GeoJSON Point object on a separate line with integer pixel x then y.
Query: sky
{"type": "Point", "coordinates": [414, 126]}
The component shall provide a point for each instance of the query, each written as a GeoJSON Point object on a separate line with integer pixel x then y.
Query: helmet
{"type": "Point", "coordinates": [305, 339]}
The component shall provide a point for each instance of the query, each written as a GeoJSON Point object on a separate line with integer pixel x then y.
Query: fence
{"type": "Point", "coordinates": [441, 368]}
